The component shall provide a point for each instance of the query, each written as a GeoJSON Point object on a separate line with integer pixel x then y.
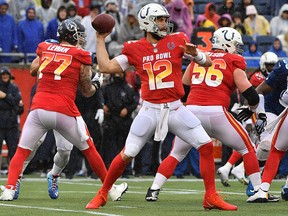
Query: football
{"type": "Point", "coordinates": [103, 23]}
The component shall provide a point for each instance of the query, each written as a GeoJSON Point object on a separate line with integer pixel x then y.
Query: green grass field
{"type": "Point", "coordinates": [178, 197]}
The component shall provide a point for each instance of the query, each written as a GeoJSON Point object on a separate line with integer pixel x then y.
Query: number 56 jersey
{"type": "Point", "coordinates": [59, 74]}
{"type": "Point", "coordinates": [213, 86]}
{"type": "Point", "coordinates": [159, 67]}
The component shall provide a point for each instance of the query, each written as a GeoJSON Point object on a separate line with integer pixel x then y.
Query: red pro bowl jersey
{"type": "Point", "coordinates": [256, 79]}
{"type": "Point", "coordinates": [213, 86]}
{"type": "Point", "coordinates": [59, 77]}
{"type": "Point", "coordinates": [159, 67]}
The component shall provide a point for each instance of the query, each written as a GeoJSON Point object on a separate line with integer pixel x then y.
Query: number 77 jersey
{"type": "Point", "coordinates": [213, 86]}
{"type": "Point", "coordinates": [59, 77]}
{"type": "Point", "coordinates": [159, 67]}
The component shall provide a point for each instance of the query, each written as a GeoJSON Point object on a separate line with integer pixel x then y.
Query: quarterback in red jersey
{"type": "Point", "coordinates": [62, 68]}
{"type": "Point", "coordinates": [209, 98]}
{"type": "Point", "coordinates": [157, 59]}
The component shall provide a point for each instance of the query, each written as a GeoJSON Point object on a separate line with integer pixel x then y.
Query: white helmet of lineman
{"type": "Point", "coordinates": [147, 19]}
{"type": "Point", "coordinates": [227, 39]}
{"type": "Point", "coordinates": [268, 58]}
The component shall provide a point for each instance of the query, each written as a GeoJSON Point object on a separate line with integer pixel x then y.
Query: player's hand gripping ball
{"type": "Point", "coordinates": [103, 23]}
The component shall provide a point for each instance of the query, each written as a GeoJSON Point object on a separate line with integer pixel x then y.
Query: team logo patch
{"type": "Point", "coordinates": [171, 45]}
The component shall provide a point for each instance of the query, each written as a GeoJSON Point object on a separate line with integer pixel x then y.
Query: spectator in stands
{"type": "Point", "coordinates": [203, 22]}
{"type": "Point", "coordinates": [228, 7]}
{"type": "Point", "coordinates": [57, 3]}
{"type": "Point", "coordinates": [45, 13]}
{"type": "Point", "coordinates": [51, 32]}
{"type": "Point", "coordinates": [130, 29]}
{"type": "Point", "coordinates": [225, 21]}
{"type": "Point", "coordinates": [211, 14]}
{"type": "Point", "coordinates": [238, 24]}
{"type": "Point", "coordinates": [179, 13]}
{"type": "Point", "coordinates": [95, 9]}
{"type": "Point", "coordinates": [72, 13]}
{"type": "Point", "coordinates": [8, 36]}
{"type": "Point", "coordinates": [242, 8]}
{"type": "Point", "coordinates": [190, 5]}
{"type": "Point", "coordinates": [10, 98]}
{"type": "Point", "coordinates": [277, 48]}
{"type": "Point", "coordinates": [17, 9]}
{"type": "Point", "coordinates": [279, 24]}
{"type": "Point", "coordinates": [284, 41]}
{"type": "Point", "coordinates": [83, 6]}
{"type": "Point", "coordinates": [30, 33]}
{"type": "Point", "coordinates": [255, 24]}
{"type": "Point", "coordinates": [252, 55]}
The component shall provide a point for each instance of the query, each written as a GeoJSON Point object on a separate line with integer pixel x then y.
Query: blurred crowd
{"type": "Point", "coordinates": [109, 114]}
{"type": "Point", "coordinates": [25, 23]}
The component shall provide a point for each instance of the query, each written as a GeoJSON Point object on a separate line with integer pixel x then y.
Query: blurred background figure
{"type": "Point", "coordinates": [83, 6]}
{"type": "Point", "coordinates": [225, 21]}
{"type": "Point", "coordinates": [255, 24]}
{"type": "Point", "coordinates": [45, 12]}
{"type": "Point", "coordinates": [279, 24]}
{"type": "Point", "coordinates": [8, 36]}
{"type": "Point", "coordinates": [179, 14]}
{"type": "Point", "coordinates": [252, 55]}
{"type": "Point", "coordinates": [17, 8]}
{"type": "Point", "coordinates": [284, 41]}
{"type": "Point", "coordinates": [95, 9]}
{"type": "Point", "coordinates": [53, 24]}
{"type": "Point", "coordinates": [130, 28]}
{"type": "Point", "coordinates": [237, 23]}
{"type": "Point", "coordinates": [72, 13]}
{"type": "Point", "coordinates": [242, 8]}
{"type": "Point", "coordinates": [10, 97]}
{"type": "Point", "coordinates": [120, 100]}
{"type": "Point", "coordinates": [30, 33]}
{"type": "Point", "coordinates": [211, 14]}
{"type": "Point", "coordinates": [277, 48]}
{"type": "Point", "coordinates": [228, 7]}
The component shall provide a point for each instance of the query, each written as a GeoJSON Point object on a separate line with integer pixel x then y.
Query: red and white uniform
{"type": "Point", "coordinates": [53, 105]}
{"type": "Point", "coordinates": [209, 99]}
{"type": "Point", "coordinates": [160, 69]}
{"type": "Point", "coordinates": [257, 78]}
{"type": "Point", "coordinates": [59, 77]}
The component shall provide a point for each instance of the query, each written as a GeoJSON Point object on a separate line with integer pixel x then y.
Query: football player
{"type": "Point", "coordinates": [276, 84]}
{"type": "Point", "coordinates": [267, 62]}
{"type": "Point", "coordinates": [158, 62]}
{"type": "Point", "coordinates": [209, 99]}
{"type": "Point", "coordinates": [62, 68]}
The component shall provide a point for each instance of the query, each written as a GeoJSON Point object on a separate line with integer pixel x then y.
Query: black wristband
{"type": "Point", "coordinates": [251, 95]}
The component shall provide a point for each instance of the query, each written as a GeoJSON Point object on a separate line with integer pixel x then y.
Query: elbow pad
{"type": "Point", "coordinates": [251, 95]}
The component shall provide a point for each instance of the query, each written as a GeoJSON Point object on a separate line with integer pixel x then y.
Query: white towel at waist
{"type": "Point", "coordinates": [162, 125]}
{"type": "Point", "coordinates": [81, 126]}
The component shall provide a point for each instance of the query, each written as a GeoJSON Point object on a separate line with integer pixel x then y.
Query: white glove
{"type": "Point", "coordinates": [100, 116]}
{"type": "Point", "coordinates": [98, 78]}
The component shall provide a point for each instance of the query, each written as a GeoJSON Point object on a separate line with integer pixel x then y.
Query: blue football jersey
{"type": "Point", "coordinates": [277, 80]}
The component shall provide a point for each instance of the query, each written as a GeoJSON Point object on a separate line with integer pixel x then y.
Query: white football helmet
{"type": "Point", "coordinates": [268, 58]}
{"type": "Point", "coordinates": [147, 19]}
{"type": "Point", "coordinates": [227, 39]}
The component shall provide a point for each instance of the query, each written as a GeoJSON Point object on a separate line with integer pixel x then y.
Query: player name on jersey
{"type": "Point", "coordinates": [58, 48]}
{"type": "Point", "coordinates": [157, 56]}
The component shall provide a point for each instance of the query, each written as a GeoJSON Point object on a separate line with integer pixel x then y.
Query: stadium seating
{"type": "Point", "coordinates": [264, 42]}
{"type": "Point", "coordinates": [246, 40]}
